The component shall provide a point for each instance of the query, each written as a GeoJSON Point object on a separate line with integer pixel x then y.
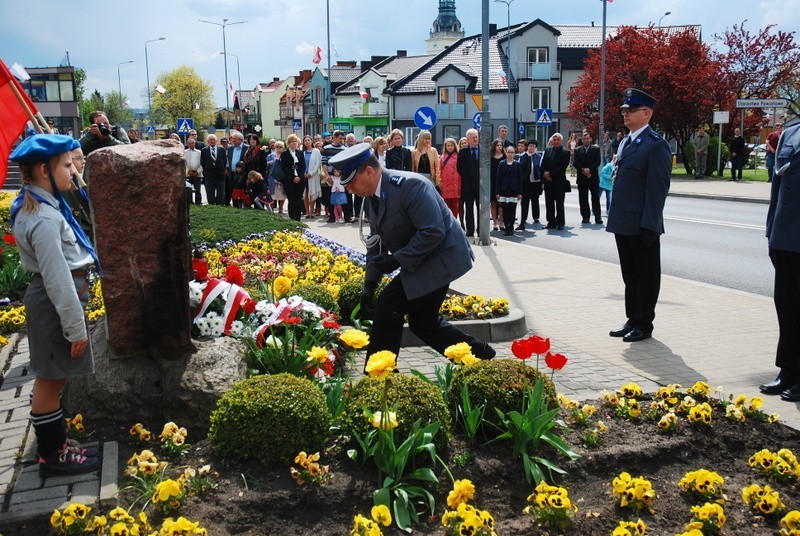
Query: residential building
{"type": "Point", "coordinates": [52, 89]}
{"type": "Point", "coordinates": [268, 103]}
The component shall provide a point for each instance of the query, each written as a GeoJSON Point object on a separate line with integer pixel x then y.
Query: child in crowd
{"type": "Point", "coordinates": [55, 249]}
{"type": "Point", "coordinates": [239, 186]}
{"type": "Point", "coordinates": [607, 181]}
{"type": "Point", "coordinates": [338, 198]}
{"type": "Point", "coordinates": [257, 191]}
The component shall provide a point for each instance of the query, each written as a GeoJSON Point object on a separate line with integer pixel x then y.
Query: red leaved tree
{"type": "Point", "coordinates": [673, 66]}
{"type": "Point", "coordinates": [757, 66]}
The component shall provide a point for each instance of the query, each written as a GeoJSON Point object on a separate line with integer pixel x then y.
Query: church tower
{"type": "Point", "coordinates": [446, 28]}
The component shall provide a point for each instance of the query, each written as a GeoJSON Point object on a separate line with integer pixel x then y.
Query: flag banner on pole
{"type": "Point", "coordinates": [230, 86]}
{"type": "Point", "coordinates": [502, 75]}
{"type": "Point", "coordinates": [20, 72]}
{"type": "Point", "coordinates": [317, 59]}
{"type": "Point", "coordinates": [160, 89]}
{"type": "Point", "coordinates": [14, 116]}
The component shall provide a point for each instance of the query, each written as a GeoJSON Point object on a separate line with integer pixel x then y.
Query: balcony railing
{"type": "Point", "coordinates": [541, 71]}
{"type": "Point", "coordinates": [312, 110]}
{"type": "Point", "coordinates": [369, 108]}
{"type": "Point", "coordinates": [450, 111]}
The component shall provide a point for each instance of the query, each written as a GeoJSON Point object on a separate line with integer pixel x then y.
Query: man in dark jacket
{"type": "Point", "coordinates": [469, 168]}
{"type": "Point", "coordinates": [587, 165]}
{"type": "Point", "coordinates": [737, 154]}
{"type": "Point", "coordinates": [554, 172]}
{"type": "Point", "coordinates": [213, 161]}
{"type": "Point", "coordinates": [531, 162]}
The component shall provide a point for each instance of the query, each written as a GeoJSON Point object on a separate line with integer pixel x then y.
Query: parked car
{"type": "Point", "coordinates": [757, 154]}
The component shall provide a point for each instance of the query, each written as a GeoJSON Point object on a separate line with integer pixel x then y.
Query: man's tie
{"type": "Point", "coordinates": [475, 153]}
{"type": "Point", "coordinates": [213, 151]}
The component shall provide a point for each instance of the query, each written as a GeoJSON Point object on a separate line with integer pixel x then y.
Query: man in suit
{"type": "Point", "coordinates": [783, 232]}
{"type": "Point", "coordinates": [587, 165]}
{"type": "Point", "coordinates": [469, 169]}
{"type": "Point", "coordinates": [737, 147]}
{"type": "Point", "coordinates": [212, 160]}
{"type": "Point", "coordinates": [636, 217]}
{"type": "Point", "coordinates": [554, 172]}
{"type": "Point", "coordinates": [413, 230]}
{"type": "Point", "coordinates": [235, 152]}
{"type": "Point", "coordinates": [531, 162]}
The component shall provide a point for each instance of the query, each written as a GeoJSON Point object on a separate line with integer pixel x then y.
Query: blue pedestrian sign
{"type": "Point", "coordinates": [425, 118]}
{"type": "Point", "coordinates": [184, 124]}
{"type": "Point", "coordinates": [544, 116]}
{"type": "Point", "coordinates": [296, 124]}
{"type": "Point", "coordinates": [476, 120]}
{"type": "Point", "coordinates": [151, 129]}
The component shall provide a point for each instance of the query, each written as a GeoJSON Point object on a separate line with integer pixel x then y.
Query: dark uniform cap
{"type": "Point", "coordinates": [42, 147]}
{"type": "Point", "coordinates": [347, 161]}
{"type": "Point", "coordinates": [636, 97]}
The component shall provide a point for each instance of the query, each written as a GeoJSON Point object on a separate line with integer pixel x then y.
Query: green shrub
{"type": "Point", "coordinates": [412, 399]}
{"type": "Point", "coordinates": [14, 280]}
{"type": "Point", "coordinates": [500, 383]}
{"type": "Point", "coordinates": [317, 294]}
{"type": "Point", "coordinates": [350, 295]}
{"type": "Point", "coordinates": [270, 418]}
{"type": "Point", "coordinates": [214, 222]}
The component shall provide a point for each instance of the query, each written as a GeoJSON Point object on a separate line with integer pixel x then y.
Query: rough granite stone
{"type": "Point", "coordinates": [142, 238]}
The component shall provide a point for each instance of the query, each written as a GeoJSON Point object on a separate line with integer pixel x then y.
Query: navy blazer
{"type": "Point", "coordinates": [526, 161]}
{"type": "Point", "coordinates": [419, 230]}
{"type": "Point", "coordinates": [783, 216]}
{"type": "Point", "coordinates": [213, 170]}
{"type": "Point", "coordinates": [641, 185]}
{"type": "Point", "coordinates": [556, 161]}
{"type": "Point", "coordinates": [469, 169]}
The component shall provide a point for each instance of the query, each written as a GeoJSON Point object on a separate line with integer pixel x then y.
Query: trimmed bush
{"type": "Point", "coordinates": [270, 418]}
{"type": "Point", "coordinates": [409, 396]}
{"type": "Point", "coordinates": [500, 384]}
{"type": "Point", "coordinates": [316, 294]}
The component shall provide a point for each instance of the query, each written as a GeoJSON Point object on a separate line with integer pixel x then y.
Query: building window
{"type": "Point", "coordinates": [452, 95]}
{"type": "Point", "coordinates": [540, 98]}
{"type": "Point", "coordinates": [538, 55]}
{"type": "Point", "coordinates": [452, 131]}
{"type": "Point", "coordinates": [51, 88]}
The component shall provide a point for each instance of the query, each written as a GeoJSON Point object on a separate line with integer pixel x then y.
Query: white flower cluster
{"type": "Point", "coordinates": [240, 329]}
{"type": "Point", "coordinates": [196, 292]}
{"type": "Point", "coordinates": [210, 325]}
{"type": "Point", "coordinates": [264, 309]}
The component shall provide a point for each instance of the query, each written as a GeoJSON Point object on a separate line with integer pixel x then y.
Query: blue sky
{"type": "Point", "coordinates": [279, 36]}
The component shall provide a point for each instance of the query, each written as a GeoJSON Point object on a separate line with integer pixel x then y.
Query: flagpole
{"type": "Point", "coordinates": [24, 104]}
{"type": "Point", "coordinates": [601, 127]}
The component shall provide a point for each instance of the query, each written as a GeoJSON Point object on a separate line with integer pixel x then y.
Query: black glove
{"type": "Point", "coordinates": [385, 264]}
{"type": "Point", "coordinates": [367, 300]}
{"type": "Point", "coordinates": [648, 237]}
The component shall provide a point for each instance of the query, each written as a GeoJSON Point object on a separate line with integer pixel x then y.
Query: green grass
{"type": "Point", "coordinates": [213, 223]}
{"type": "Point", "coordinates": [759, 175]}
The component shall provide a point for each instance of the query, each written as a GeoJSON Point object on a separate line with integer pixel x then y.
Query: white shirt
{"type": "Point", "coordinates": [192, 157]}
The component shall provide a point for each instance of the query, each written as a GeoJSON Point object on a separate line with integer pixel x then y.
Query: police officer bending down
{"type": "Point", "coordinates": [419, 235]}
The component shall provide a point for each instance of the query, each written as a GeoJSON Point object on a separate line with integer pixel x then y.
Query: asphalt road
{"type": "Point", "coordinates": [712, 241]}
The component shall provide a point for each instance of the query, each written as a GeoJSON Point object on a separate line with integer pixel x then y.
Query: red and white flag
{"type": "Point", "coordinates": [126, 104]}
{"type": "Point", "coordinates": [364, 94]}
{"type": "Point", "coordinates": [502, 75]}
{"type": "Point", "coordinates": [317, 59]}
{"type": "Point", "coordinates": [230, 86]}
{"type": "Point", "coordinates": [14, 116]}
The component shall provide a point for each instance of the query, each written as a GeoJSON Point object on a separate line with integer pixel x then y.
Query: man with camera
{"type": "Point", "coordinates": [102, 134]}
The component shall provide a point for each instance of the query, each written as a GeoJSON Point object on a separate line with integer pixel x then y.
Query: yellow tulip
{"type": "Point", "coordinates": [381, 364]}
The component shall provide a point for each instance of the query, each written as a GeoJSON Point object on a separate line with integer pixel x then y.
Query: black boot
{"type": "Point", "coordinates": [55, 457]}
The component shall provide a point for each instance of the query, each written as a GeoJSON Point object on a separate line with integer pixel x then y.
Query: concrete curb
{"type": "Point", "coordinates": [505, 328]}
{"type": "Point", "coordinates": [720, 197]}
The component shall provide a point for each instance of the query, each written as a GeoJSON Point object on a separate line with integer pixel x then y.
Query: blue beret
{"type": "Point", "coordinates": [326, 133]}
{"type": "Point", "coordinates": [347, 161]}
{"type": "Point", "coordinates": [636, 97]}
{"type": "Point", "coordinates": [42, 147]}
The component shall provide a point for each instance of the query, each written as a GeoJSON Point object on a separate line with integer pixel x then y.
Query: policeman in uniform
{"type": "Point", "coordinates": [636, 218]}
{"type": "Point", "coordinates": [413, 230]}
{"type": "Point", "coordinates": [783, 232]}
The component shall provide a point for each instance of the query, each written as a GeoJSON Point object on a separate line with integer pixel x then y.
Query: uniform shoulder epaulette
{"type": "Point", "coordinates": [655, 135]}
{"type": "Point", "coordinates": [397, 180]}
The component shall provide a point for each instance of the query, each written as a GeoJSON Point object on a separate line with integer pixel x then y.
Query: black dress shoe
{"type": "Point", "coordinates": [621, 332]}
{"type": "Point", "coordinates": [792, 394]}
{"type": "Point", "coordinates": [560, 227]}
{"type": "Point", "coordinates": [598, 221]}
{"type": "Point", "coordinates": [521, 227]}
{"type": "Point", "coordinates": [776, 386]}
{"type": "Point", "coordinates": [585, 221]}
{"type": "Point", "coordinates": [548, 226]}
{"type": "Point", "coordinates": [636, 334]}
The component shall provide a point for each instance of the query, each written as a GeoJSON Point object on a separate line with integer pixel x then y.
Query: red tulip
{"type": "Point", "coordinates": [200, 268]}
{"type": "Point", "coordinates": [555, 361]}
{"type": "Point", "coordinates": [330, 324]}
{"type": "Point", "coordinates": [9, 238]}
{"type": "Point", "coordinates": [539, 345]}
{"type": "Point", "coordinates": [522, 349]}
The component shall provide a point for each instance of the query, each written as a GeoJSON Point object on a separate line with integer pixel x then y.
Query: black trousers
{"type": "Point", "coordinates": [737, 163]}
{"type": "Point", "coordinates": [587, 190]}
{"type": "Point", "coordinates": [509, 213]}
{"type": "Point", "coordinates": [197, 183]}
{"type": "Point", "coordinates": [424, 320]}
{"type": "Point", "coordinates": [471, 207]}
{"type": "Point", "coordinates": [787, 305]}
{"type": "Point", "coordinates": [641, 273]}
{"type": "Point", "coordinates": [554, 206]}
{"type": "Point", "coordinates": [530, 198]}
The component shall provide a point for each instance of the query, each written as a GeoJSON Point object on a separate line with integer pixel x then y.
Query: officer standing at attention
{"type": "Point", "coordinates": [412, 229]}
{"type": "Point", "coordinates": [783, 232]}
{"type": "Point", "coordinates": [636, 217]}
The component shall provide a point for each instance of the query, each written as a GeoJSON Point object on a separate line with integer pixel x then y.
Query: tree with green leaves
{"type": "Point", "coordinates": [185, 90]}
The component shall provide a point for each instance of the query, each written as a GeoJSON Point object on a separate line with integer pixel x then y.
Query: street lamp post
{"type": "Point", "coordinates": [508, 53]}
{"type": "Point", "coordinates": [224, 24]}
{"type": "Point", "coordinates": [119, 78]}
{"type": "Point", "coordinates": [662, 17]}
{"type": "Point", "coordinates": [147, 70]}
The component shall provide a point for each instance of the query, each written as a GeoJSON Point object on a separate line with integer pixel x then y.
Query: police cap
{"type": "Point", "coordinates": [636, 97]}
{"type": "Point", "coordinates": [347, 161]}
